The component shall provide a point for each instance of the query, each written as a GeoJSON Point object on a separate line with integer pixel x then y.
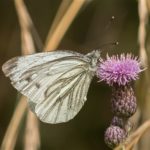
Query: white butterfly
{"type": "Point", "coordinates": [56, 83]}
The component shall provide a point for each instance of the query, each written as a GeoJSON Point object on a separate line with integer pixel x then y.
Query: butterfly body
{"type": "Point", "coordinates": [56, 83]}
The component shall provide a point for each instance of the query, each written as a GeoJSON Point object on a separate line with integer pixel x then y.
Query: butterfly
{"type": "Point", "coordinates": [56, 83]}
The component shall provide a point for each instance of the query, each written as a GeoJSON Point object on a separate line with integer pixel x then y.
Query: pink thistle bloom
{"type": "Point", "coordinates": [119, 69]}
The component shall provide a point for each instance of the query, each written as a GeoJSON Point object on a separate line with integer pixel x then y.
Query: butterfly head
{"type": "Point", "coordinates": [94, 56]}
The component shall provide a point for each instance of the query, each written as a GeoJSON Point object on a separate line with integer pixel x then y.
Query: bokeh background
{"type": "Point", "coordinates": [91, 28]}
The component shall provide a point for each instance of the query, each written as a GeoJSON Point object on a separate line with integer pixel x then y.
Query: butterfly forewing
{"type": "Point", "coordinates": [56, 83]}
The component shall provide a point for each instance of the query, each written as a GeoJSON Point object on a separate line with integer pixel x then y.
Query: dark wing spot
{"type": "Point", "coordinates": [37, 85]}
{"type": "Point", "coordinates": [28, 79]}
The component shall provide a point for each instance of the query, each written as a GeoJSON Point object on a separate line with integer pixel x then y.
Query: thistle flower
{"type": "Point", "coordinates": [114, 136]}
{"type": "Point", "coordinates": [119, 69]}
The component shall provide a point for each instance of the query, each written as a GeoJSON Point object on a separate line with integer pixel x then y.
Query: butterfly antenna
{"type": "Point", "coordinates": [109, 44]}
{"type": "Point", "coordinates": [112, 19]}
{"type": "Point", "coordinates": [107, 26]}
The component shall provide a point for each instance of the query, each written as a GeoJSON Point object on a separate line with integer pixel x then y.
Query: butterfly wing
{"type": "Point", "coordinates": [56, 83]}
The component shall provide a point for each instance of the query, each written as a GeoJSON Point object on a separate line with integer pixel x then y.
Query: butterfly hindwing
{"type": "Point", "coordinates": [65, 98]}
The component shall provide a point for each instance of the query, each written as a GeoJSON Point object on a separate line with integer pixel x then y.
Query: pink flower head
{"type": "Point", "coordinates": [119, 69]}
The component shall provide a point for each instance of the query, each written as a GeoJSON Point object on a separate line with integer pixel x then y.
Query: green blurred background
{"type": "Point", "coordinates": [90, 29]}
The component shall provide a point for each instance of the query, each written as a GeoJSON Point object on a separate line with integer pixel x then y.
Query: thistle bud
{"type": "Point", "coordinates": [123, 101]}
{"type": "Point", "coordinates": [114, 136]}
